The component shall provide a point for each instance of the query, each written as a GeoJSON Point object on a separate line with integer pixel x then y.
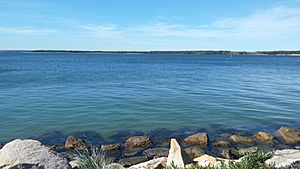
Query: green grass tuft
{"type": "Point", "coordinates": [94, 159]}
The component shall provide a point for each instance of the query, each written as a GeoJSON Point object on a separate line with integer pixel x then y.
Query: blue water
{"type": "Point", "coordinates": [106, 93]}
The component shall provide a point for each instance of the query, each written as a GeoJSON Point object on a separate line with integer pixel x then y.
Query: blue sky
{"type": "Point", "coordinates": [150, 24]}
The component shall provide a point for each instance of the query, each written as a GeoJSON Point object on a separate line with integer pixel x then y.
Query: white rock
{"type": "Point", "coordinates": [177, 156]}
{"type": "Point", "coordinates": [114, 166]}
{"type": "Point", "coordinates": [284, 158]}
{"type": "Point", "coordinates": [206, 160]}
{"type": "Point", "coordinates": [30, 153]}
{"type": "Point", "coordinates": [152, 164]}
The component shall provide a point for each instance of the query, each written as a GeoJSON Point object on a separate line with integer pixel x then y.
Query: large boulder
{"type": "Point", "coordinates": [197, 139]}
{"type": "Point", "coordinates": [138, 142]}
{"type": "Point", "coordinates": [156, 152]}
{"type": "Point", "coordinates": [158, 163]}
{"type": "Point", "coordinates": [74, 143]}
{"type": "Point", "coordinates": [264, 137]}
{"type": "Point", "coordinates": [177, 156]}
{"type": "Point", "coordinates": [28, 154]}
{"type": "Point", "coordinates": [289, 135]}
{"type": "Point", "coordinates": [241, 139]}
{"type": "Point", "coordinates": [284, 158]}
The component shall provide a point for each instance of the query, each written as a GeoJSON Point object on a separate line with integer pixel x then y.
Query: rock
{"type": "Point", "coordinates": [289, 135]}
{"type": "Point", "coordinates": [75, 143]}
{"type": "Point", "coordinates": [221, 143]}
{"type": "Point", "coordinates": [74, 164]}
{"type": "Point", "coordinates": [264, 137]}
{"type": "Point", "coordinates": [206, 160]}
{"type": "Point", "coordinates": [230, 153]}
{"type": "Point", "coordinates": [127, 162]}
{"type": "Point", "coordinates": [1, 145]}
{"type": "Point", "coordinates": [177, 156]}
{"type": "Point", "coordinates": [114, 166]}
{"type": "Point", "coordinates": [244, 151]}
{"type": "Point", "coordinates": [241, 139]}
{"type": "Point", "coordinates": [194, 152]}
{"type": "Point", "coordinates": [138, 142]}
{"type": "Point", "coordinates": [284, 158]}
{"type": "Point", "coordinates": [197, 139]}
{"type": "Point", "coordinates": [110, 147]}
{"type": "Point", "coordinates": [56, 147]}
{"type": "Point", "coordinates": [132, 152]}
{"type": "Point", "coordinates": [30, 153]}
{"type": "Point", "coordinates": [158, 163]}
{"type": "Point", "coordinates": [156, 152]}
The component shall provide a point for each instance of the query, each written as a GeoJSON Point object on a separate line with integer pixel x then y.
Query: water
{"type": "Point", "coordinates": [106, 93]}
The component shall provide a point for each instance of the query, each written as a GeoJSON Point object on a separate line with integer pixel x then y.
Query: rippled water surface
{"type": "Point", "coordinates": [47, 92]}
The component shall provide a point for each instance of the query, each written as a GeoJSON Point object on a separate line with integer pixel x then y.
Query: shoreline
{"type": "Point", "coordinates": [187, 52]}
{"type": "Point", "coordinates": [134, 148]}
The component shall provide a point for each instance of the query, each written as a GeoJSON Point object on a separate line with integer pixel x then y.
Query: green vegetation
{"type": "Point", "coordinates": [91, 160]}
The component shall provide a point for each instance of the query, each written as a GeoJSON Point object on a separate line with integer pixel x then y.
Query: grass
{"type": "Point", "coordinates": [93, 159]}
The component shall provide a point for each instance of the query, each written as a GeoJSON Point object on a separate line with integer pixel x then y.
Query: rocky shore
{"type": "Point", "coordinates": [148, 151]}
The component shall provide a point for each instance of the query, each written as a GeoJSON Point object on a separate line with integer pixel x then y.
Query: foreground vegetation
{"type": "Point", "coordinates": [96, 160]}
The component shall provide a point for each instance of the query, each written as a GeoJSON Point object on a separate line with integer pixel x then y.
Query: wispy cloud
{"type": "Point", "coordinates": [102, 31]}
{"type": "Point", "coordinates": [268, 23]}
{"type": "Point", "coordinates": [28, 31]}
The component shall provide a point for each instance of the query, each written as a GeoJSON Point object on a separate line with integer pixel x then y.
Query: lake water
{"type": "Point", "coordinates": [106, 93]}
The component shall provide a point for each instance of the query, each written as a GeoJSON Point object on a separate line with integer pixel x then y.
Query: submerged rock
{"type": "Point", "coordinates": [244, 151]}
{"type": "Point", "coordinates": [284, 158]}
{"type": "Point", "coordinates": [156, 152]}
{"type": "Point", "coordinates": [264, 137]}
{"type": "Point", "coordinates": [127, 162]}
{"type": "Point", "coordinates": [194, 151]}
{"type": "Point", "coordinates": [158, 163]}
{"type": "Point", "coordinates": [110, 147]}
{"type": "Point", "coordinates": [230, 153]}
{"type": "Point", "coordinates": [197, 139]}
{"type": "Point", "coordinates": [74, 143]}
{"type": "Point", "coordinates": [289, 135]}
{"type": "Point", "coordinates": [138, 142]}
{"type": "Point", "coordinates": [177, 156]}
{"type": "Point", "coordinates": [28, 154]}
{"type": "Point", "coordinates": [221, 143]}
{"type": "Point", "coordinates": [241, 139]}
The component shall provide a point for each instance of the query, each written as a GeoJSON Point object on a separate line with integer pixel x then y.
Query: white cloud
{"type": "Point", "coordinates": [102, 31]}
{"type": "Point", "coordinates": [279, 21]}
{"type": "Point", "coordinates": [26, 31]}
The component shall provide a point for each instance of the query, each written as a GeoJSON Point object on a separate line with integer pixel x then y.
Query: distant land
{"type": "Point", "coordinates": [192, 52]}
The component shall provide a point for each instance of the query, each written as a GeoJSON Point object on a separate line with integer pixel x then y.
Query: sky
{"type": "Point", "coordinates": [247, 25]}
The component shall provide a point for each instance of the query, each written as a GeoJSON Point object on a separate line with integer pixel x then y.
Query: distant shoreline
{"type": "Point", "coordinates": [197, 52]}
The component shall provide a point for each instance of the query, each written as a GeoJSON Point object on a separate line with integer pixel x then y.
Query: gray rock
{"type": "Point", "coordinates": [244, 151]}
{"type": "Point", "coordinates": [132, 152]}
{"type": "Point", "coordinates": [284, 158]}
{"type": "Point", "coordinates": [28, 154]}
{"type": "Point", "coordinates": [110, 147]}
{"type": "Point", "coordinates": [127, 162]}
{"type": "Point", "coordinates": [156, 152]}
{"type": "Point", "coordinates": [194, 152]}
{"type": "Point", "coordinates": [114, 166]}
